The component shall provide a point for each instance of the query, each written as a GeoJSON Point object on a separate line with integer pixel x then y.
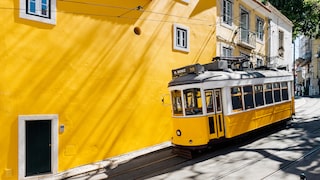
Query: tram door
{"type": "Point", "coordinates": [214, 106]}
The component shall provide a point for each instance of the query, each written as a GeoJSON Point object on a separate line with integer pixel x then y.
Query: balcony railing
{"type": "Point", "coordinates": [247, 38]}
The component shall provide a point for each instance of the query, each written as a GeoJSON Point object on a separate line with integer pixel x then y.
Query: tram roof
{"type": "Point", "coordinates": [221, 75]}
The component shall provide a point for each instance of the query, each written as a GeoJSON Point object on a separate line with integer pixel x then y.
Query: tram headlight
{"type": "Point", "coordinates": [178, 132]}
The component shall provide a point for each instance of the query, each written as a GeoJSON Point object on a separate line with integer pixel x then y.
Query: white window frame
{"type": "Point", "coordinates": [186, 1]}
{"type": "Point", "coordinates": [226, 51]}
{"type": "Point", "coordinates": [181, 38]}
{"type": "Point", "coordinates": [259, 28]}
{"type": "Point", "coordinates": [227, 12]}
{"type": "Point", "coordinates": [281, 38]}
{"type": "Point", "coordinates": [49, 18]}
{"type": "Point", "coordinates": [22, 119]}
{"type": "Point", "coordinates": [259, 62]}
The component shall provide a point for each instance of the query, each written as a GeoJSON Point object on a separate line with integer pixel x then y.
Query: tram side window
{"type": "Point", "coordinates": [268, 93]}
{"type": "Point", "coordinates": [176, 103]}
{"type": "Point", "coordinates": [276, 92]}
{"type": "Point", "coordinates": [236, 96]}
{"type": "Point", "coordinates": [284, 91]}
{"type": "Point", "coordinates": [209, 101]}
{"type": "Point", "coordinates": [258, 92]}
{"type": "Point", "coordinates": [248, 97]}
{"type": "Point", "coordinates": [193, 105]}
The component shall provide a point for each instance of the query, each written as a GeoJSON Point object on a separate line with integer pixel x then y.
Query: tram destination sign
{"type": "Point", "coordinates": [191, 69]}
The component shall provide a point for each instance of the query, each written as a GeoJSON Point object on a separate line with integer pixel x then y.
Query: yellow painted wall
{"type": "Point", "coordinates": [104, 81]}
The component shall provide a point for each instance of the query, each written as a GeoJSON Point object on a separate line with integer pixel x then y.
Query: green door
{"type": "Point", "coordinates": [38, 147]}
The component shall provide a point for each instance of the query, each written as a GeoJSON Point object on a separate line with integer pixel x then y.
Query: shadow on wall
{"type": "Point", "coordinates": [125, 11]}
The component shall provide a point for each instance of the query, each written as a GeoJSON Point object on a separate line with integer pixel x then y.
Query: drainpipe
{"type": "Point", "coordinates": [269, 42]}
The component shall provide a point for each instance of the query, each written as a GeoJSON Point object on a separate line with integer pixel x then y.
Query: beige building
{"type": "Point", "coordinates": [255, 30]}
{"type": "Point", "coordinates": [242, 30]}
{"type": "Point", "coordinates": [308, 66]}
{"type": "Point", "coordinates": [315, 67]}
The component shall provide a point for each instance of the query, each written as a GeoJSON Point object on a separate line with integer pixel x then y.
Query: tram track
{"type": "Point", "coordinates": [281, 168]}
{"type": "Point", "coordinates": [292, 163]}
{"type": "Point", "coordinates": [162, 163]}
{"type": "Point", "coordinates": [279, 156]}
{"type": "Point", "coordinates": [144, 166]}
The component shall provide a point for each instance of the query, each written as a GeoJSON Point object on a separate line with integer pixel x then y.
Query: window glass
{"type": "Point", "coordinates": [268, 93]}
{"type": "Point", "coordinates": [218, 101]}
{"type": "Point", "coordinates": [258, 90]}
{"type": "Point", "coordinates": [176, 103]}
{"type": "Point", "coordinates": [209, 101]}
{"type": "Point", "coordinates": [276, 92]}
{"type": "Point", "coordinates": [284, 91]}
{"type": "Point", "coordinates": [44, 7]}
{"type": "Point", "coordinates": [281, 43]}
{"type": "Point", "coordinates": [226, 51]}
{"type": "Point", "coordinates": [43, 11]}
{"type": "Point", "coordinates": [181, 38]}
{"type": "Point", "coordinates": [248, 97]}
{"type": "Point", "coordinates": [32, 6]}
{"type": "Point", "coordinates": [192, 98]}
{"type": "Point", "coordinates": [259, 62]}
{"type": "Point", "coordinates": [227, 12]}
{"type": "Point", "coordinates": [236, 97]}
{"type": "Point", "coordinates": [259, 28]}
{"type": "Point", "coordinates": [38, 7]}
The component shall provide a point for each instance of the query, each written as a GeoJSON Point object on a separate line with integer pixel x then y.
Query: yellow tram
{"type": "Point", "coordinates": [212, 102]}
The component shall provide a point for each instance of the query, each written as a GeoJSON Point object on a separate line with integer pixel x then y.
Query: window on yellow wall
{"type": "Point", "coordinates": [227, 12]}
{"type": "Point", "coordinates": [259, 28]}
{"type": "Point", "coordinates": [226, 51]}
{"type": "Point", "coordinates": [38, 10]}
{"type": "Point", "coordinates": [181, 38]}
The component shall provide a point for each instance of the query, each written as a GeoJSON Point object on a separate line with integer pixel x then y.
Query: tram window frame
{"type": "Point", "coordinates": [176, 100]}
{"type": "Point", "coordinates": [268, 93]}
{"type": "Point", "coordinates": [284, 91]}
{"type": "Point", "coordinates": [276, 92]}
{"type": "Point", "coordinates": [248, 97]}
{"type": "Point", "coordinates": [192, 101]}
{"type": "Point", "coordinates": [209, 102]}
{"type": "Point", "coordinates": [236, 98]}
{"type": "Point", "coordinates": [258, 95]}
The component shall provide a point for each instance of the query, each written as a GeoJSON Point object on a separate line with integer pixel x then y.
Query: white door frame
{"type": "Point", "coordinates": [22, 142]}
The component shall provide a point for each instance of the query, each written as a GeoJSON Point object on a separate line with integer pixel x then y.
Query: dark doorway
{"type": "Point", "coordinates": [38, 147]}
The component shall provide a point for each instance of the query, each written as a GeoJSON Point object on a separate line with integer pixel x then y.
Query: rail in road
{"type": "Point", "coordinates": [274, 153]}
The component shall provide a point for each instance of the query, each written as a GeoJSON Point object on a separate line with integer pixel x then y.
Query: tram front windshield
{"type": "Point", "coordinates": [192, 102]}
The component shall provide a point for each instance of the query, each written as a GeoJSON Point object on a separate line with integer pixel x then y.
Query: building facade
{"type": "Point", "coordinates": [83, 81]}
{"type": "Point", "coordinates": [280, 54]}
{"type": "Point", "coordinates": [308, 66]}
{"type": "Point", "coordinates": [255, 30]}
{"type": "Point", "coordinates": [242, 30]}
